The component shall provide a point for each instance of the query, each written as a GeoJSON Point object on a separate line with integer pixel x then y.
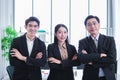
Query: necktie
{"type": "Point", "coordinates": [96, 42]}
{"type": "Point", "coordinates": [101, 73]}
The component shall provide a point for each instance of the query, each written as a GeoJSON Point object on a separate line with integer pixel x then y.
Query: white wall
{"type": "Point", "coordinates": [117, 36]}
{"type": "Point", "coordinates": [6, 18]}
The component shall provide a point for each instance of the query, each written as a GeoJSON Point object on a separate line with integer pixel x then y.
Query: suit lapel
{"type": "Point", "coordinates": [100, 43]}
{"type": "Point", "coordinates": [24, 43]}
{"type": "Point", "coordinates": [68, 50]}
{"type": "Point", "coordinates": [57, 51]}
{"type": "Point", "coordinates": [91, 42]}
{"type": "Point", "coordinates": [35, 46]}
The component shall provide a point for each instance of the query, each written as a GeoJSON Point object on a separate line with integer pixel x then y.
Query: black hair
{"type": "Point", "coordinates": [32, 18]}
{"type": "Point", "coordinates": [89, 17]}
{"type": "Point", "coordinates": [55, 31]}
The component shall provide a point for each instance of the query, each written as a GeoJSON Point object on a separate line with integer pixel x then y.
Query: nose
{"type": "Point", "coordinates": [63, 34]}
{"type": "Point", "coordinates": [92, 25]}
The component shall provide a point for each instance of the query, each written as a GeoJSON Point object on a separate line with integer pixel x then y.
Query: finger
{"type": "Point", "coordinates": [13, 54]}
{"type": "Point", "coordinates": [12, 51]}
{"type": "Point", "coordinates": [15, 50]}
{"type": "Point", "coordinates": [40, 53]}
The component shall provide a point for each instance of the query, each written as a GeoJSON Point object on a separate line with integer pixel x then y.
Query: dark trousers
{"type": "Point", "coordinates": [102, 78]}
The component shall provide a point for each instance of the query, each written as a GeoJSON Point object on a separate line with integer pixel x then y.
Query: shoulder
{"type": "Point", "coordinates": [70, 45]}
{"type": "Point", "coordinates": [19, 38]}
{"type": "Point", "coordinates": [52, 45]}
{"type": "Point", "coordinates": [84, 39]}
{"type": "Point", "coordinates": [107, 37]}
{"type": "Point", "coordinates": [39, 41]}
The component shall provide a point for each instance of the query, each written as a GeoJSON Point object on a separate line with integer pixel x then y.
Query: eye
{"type": "Point", "coordinates": [94, 23]}
{"type": "Point", "coordinates": [30, 25]}
{"type": "Point", "coordinates": [65, 31]}
{"type": "Point", "coordinates": [35, 25]}
{"type": "Point", "coordinates": [89, 24]}
{"type": "Point", "coordinates": [59, 32]}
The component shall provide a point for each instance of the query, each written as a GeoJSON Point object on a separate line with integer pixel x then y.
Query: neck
{"type": "Point", "coordinates": [61, 43]}
{"type": "Point", "coordinates": [30, 37]}
{"type": "Point", "coordinates": [94, 35]}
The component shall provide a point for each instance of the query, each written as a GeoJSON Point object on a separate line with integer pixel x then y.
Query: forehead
{"type": "Point", "coordinates": [62, 28]}
{"type": "Point", "coordinates": [32, 23]}
{"type": "Point", "coordinates": [91, 20]}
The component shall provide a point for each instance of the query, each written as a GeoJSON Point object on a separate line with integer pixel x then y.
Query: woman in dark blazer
{"type": "Point", "coordinates": [28, 53]}
{"type": "Point", "coordinates": [61, 56]}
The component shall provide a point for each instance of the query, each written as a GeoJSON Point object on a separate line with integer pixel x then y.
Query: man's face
{"type": "Point", "coordinates": [92, 26]}
{"type": "Point", "coordinates": [32, 28]}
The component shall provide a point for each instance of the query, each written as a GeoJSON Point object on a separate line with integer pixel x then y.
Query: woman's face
{"type": "Point", "coordinates": [61, 34]}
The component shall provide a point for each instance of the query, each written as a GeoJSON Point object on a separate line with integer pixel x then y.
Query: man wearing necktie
{"type": "Point", "coordinates": [97, 52]}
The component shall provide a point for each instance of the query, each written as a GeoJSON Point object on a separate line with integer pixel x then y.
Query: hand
{"type": "Point", "coordinates": [84, 51]}
{"type": "Point", "coordinates": [17, 54]}
{"type": "Point", "coordinates": [90, 63]}
{"type": "Point", "coordinates": [53, 60]}
{"type": "Point", "coordinates": [103, 55]}
{"type": "Point", "coordinates": [74, 57]}
{"type": "Point", "coordinates": [39, 55]}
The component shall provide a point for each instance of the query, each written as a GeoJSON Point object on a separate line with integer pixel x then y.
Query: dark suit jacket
{"type": "Point", "coordinates": [64, 70]}
{"type": "Point", "coordinates": [31, 68]}
{"type": "Point", "coordinates": [106, 45]}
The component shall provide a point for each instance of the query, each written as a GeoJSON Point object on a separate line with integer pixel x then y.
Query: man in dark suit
{"type": "Point", "coordinates": [97, 52]}
{"type": "Point", "coordinates": [28, 53]}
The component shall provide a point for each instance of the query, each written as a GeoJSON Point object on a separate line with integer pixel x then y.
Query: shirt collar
{"type": "Point", "coordinates": [29, 39]}
{"type": "Point", "coordinates": [96, 37]}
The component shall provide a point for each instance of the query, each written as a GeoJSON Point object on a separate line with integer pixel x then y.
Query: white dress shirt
{"type": "Point", "coordinates": [29, 45]}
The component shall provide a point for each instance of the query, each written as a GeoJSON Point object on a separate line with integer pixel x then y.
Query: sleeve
{"type": "Point", "coordinates": [110, 50]}
{"type": "Point", "coordinates": [51, 53]}
{"type": "Point", "coordinates": [14, 61]}
{"type": "Point", "coordinates": [30, 61]}
{"type": "Point", "coordinates": [38, 62]}
{"type": "Point", "coordinates": [69, 62]}
{"type": "Point", "coordinates": [85, 58]}
{"type": "Point", "coordinates": [76, 62]}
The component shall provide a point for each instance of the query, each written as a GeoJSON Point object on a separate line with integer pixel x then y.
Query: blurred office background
{"type": "Point", "coordinates": [51, 12]}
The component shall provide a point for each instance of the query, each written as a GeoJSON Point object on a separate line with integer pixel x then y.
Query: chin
{"type": "Point", "coordinates": [62, 40]}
